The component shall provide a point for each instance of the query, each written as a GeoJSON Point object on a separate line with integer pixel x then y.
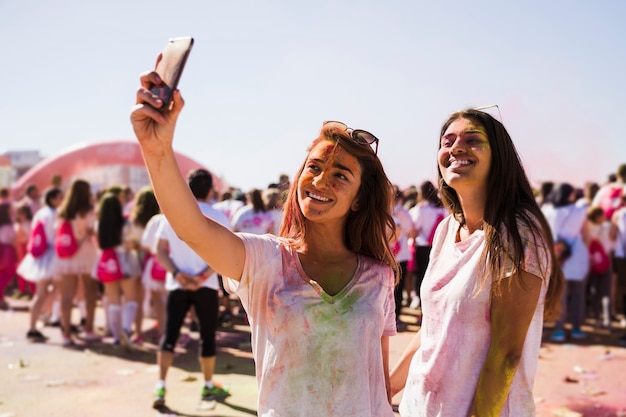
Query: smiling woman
{"type": "Point", "coordinates": [492, 271]}
{"type": "Point", "coordinates": [316, 294]}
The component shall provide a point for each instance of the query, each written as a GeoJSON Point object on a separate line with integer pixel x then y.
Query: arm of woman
{"type": "Point", "coordinates": [224, 251]}
{"type": "Point", "coordinates": [511, 314]}
{"type": "Point", "coordinates": [400, 371]}
{"type": "Point", "coordinates": [384, 344]}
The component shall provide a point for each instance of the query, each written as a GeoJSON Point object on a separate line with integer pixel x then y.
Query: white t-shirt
{"type": "Point", "coordinates": [228, 207]}
{"type": "Point", "coordinates": [620, 222]}
{"type": "Point", "coordinates": [150, 237]}
{"type": "Point", "coordinates": [456, 330]}
{"type": "Point", "coordinates": [567, 223]}
{"type": "Point", "coordinates": [185, 259]}
{"type": "Point", "coordinates": [425, 216]}
{"type": "Point", "coordinates": [47, 217]}
{"type": "Point", "coordinates": [403, 219]}
{"type": "Point", "coordinates": [315, 354]}
{"type": "Point", "coordinates": [246, 220]}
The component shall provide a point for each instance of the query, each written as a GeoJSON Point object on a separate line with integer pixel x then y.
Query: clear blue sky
{"type": "Point", "coordinates": [264, 75]}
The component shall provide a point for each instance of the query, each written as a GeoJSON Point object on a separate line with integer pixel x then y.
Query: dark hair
{"type": "Point", "coordinates": [5, 214]}
{"type": "Point", "coordinates": [50, 194]}
{"type": "Point", "coordinates": [30, 188]}
{"type": "Point", "coordinates": [510, 203]}
{"type": "Point", "coordinates": [594, 212]}
{"type": "Point", "coordinates": [545, 189]}
{"type": "Point", "coordinates": [77, 200]}
{"type": "Point", "coordinates": [256, 198]}
{"type": "Point", "coordinates": [561, 195]}
{"type": "Point", "coordinates": [429, 193]}
{"type": "Point", "coordinates": [146, 206]}
{"type": "Point", "coordinates": [110, 221]}
{"type": "Point", "coordinates": [25, 209]}
{"type": "Point", "coordinates": [200, 182]}
{"type": "Point", "coordinates": [367, 230]}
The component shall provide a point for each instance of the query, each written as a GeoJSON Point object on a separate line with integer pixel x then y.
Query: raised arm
{"type": "Point", "coordinates": [218, 246]}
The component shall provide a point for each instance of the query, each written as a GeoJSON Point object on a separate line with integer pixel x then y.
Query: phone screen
{"type": "Point", "coordinates": [170, 68]}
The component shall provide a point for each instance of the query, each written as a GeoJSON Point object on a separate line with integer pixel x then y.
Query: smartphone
{"type": "Point", "coordinates": [170, 68]}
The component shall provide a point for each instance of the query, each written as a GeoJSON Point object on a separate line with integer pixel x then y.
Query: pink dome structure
{"type": "Point", "coordinates": [76, 160]}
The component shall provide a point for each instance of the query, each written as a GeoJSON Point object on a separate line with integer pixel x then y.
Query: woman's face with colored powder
{"type": "Point", "coordinates": [329, 183]}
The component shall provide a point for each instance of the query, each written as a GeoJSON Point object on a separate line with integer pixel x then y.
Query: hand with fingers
{"type": "Point", "coordinates": [154, 128]}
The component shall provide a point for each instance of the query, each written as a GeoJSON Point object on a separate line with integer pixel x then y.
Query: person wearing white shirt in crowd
{"type": "Point", "coordinates": [619, 261]}
{"type": "Point", "coordinates": [228, 204]}
{"type": "Point", "coordinates": [273, 199]}
{"type": "Point", "coordinates": [605, 232]}
{"type": "Point", "coordinates": [569, 223]}
{"type": "Point", "coordinates": [402, 252]}
{"type": "Point", "coordinates": [39, 269]}
{"type": "Point", "coordinates": [253, 217]}
{"type": "Point", "coordinates": [190, 282]}
{"type": "Point", "coordinates": [426, 215]}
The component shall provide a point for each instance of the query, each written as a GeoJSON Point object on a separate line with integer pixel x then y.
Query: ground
{"type": "Point", "coordinates": [585, 378]}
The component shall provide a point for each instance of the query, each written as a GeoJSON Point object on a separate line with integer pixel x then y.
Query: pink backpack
{"type": "Point", "coordinates": [431, 237]}
{"type": "Point", "coordinates": [65, 243]}
{"type": "Point", "coordinates": [157, 272]}
{"type": "Point", "coordinates": [109, 268]}
{"type": "Point", "coordinates": [37, 242]}
{"type": "Point", "coordinates": [600, 262]}
{"type": "Point", "coordinates": [611, 200]}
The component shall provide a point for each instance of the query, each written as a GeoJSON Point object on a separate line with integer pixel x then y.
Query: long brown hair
{"type": "Point", "coordinates": [368, 230]}
{"type": "Point", "coordinates": [510, 206]}
{"type": "Point", "coordinates": [77, 200]}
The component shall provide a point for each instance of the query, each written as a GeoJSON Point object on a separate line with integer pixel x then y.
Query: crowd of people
{"type": "Point", "coordinates": [589, 221]}
{"type": "Point", "coordinates": [323, 265]}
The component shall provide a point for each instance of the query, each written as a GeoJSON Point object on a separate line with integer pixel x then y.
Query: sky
{"type": "Point", "coordinates": [264, 75]}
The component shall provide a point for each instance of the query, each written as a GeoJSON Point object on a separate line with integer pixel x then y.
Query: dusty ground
{"type": "Point", "coordinates": [92, 380]}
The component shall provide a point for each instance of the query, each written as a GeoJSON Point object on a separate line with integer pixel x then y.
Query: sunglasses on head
{"type": "Point", "coordinates": [360, 136]}
{"type": "Point", "coordinates": [489, 110]}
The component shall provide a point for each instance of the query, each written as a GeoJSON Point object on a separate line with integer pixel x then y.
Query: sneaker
{"type": "Point", "coordinates": [36, 336]}
{"type": "Point", "coordinates": [184, 340]}
{"type": "Point", "coordinates": [217, 392]}
{"type": "Point", "coordinates": [90, 337]}
{"type": "Point", "coordinates": [67, 341]}
{"type": "Point", "coordinates": [225, 319]}
{"type": "Point", "coordinates": [557, 336]}
{"type": "Point", "coordinates": [415, 302]}
{"type": "Point", "coordinates": [125, 337]}
{"type": "Point", "coordinates": [578, 334]}
{"type": "Point", "coordinates": [159, 398]}
{"type": "Point", "coordinates": [401, 326]}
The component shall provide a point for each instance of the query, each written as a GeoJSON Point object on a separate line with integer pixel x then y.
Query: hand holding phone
{"type": "Point", "coordinates": [170, 68]}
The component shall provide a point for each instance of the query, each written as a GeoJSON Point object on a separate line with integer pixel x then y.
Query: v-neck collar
{"type": "Point", "coordinates": [331, 299]}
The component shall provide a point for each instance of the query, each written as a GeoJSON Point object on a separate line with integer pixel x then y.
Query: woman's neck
{"type": "Point", "coordinates": [473, 206]}
{"type": "Point", "coordinates": [323, 241]}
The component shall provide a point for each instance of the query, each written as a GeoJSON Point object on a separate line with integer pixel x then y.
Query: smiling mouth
{"type": "Point", "coordinates": [318, 197]}
{"type": "Point", "coordinates": [459, 163]}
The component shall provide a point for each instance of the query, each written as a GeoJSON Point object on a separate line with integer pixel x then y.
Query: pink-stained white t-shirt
{"type": "Point", "coordinates": [456, 329]}
{"type": "Point", "coordinates": [246, 220]}
{"type": "Point", "coordinates": [315, 354]}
